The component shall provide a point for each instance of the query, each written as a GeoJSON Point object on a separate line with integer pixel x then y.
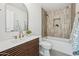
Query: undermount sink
{"type": "Point", "coordinates": [18, 40]}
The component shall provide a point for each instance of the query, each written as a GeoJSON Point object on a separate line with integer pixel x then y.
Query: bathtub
{"type": "Point", "coordinates": [60, 44]}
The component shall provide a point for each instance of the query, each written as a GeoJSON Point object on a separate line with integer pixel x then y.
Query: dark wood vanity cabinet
{"type": "Point", "coordinates": [30, 48]}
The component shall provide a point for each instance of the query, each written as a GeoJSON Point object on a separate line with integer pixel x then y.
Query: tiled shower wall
{"type": "Point", "coordinates": [60, 22]}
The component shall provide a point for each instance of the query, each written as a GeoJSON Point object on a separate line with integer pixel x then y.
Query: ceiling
{"type": "Point", "coordinates": [53, 6]}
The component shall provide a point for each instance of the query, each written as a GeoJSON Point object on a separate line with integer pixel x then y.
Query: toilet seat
{"type": "Point", "coordinates": [45, 44]}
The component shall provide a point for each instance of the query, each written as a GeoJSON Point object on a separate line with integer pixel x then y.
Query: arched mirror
{"type": "Point", "coordinates": [16, 17]}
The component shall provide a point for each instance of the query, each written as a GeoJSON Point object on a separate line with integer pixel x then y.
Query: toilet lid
{"type": "Point", "coordinates": [45, 44]}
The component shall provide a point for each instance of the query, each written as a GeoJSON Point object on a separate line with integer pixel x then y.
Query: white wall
{"type": "Point", "coordinates": [34, 21]}
{"type": "Point", "coordinates": [3, 34]}
{"type": "Point", "coordinates": [34, 12]}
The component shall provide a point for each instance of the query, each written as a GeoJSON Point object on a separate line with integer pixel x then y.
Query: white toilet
{"type": "Point", "coordinates": [45, 48]}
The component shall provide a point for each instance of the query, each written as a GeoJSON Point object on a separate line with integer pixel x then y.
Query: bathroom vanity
{"type": "Point", "coordinates": [26, 48]}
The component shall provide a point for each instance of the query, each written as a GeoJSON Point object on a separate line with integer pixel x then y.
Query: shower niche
{"type": "Point", "coordinates": [57, 27]}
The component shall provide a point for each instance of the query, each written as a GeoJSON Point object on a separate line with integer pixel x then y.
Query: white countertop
{"type": "Point", "coordinates": [4, 45]}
